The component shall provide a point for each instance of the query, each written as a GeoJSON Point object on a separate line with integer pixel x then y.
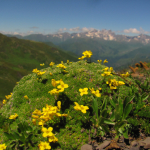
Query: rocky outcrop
{"type": "Point", "coordinates": [122, 144]}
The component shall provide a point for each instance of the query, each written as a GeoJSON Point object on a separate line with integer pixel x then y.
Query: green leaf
{"type": "Point", "coordinates": [120, 124]}
{"type": "Point", "coordinates": [127, 110]}
{"type": "Point", "coordinates": [117, 114]}
{"type": "Point", "coordinates": [16, 135]}
{"type": "Point", "coordinates": [120, 106]}
{"type": "Point", "coordinates": [107, 121]}
{"type": "Point", "coordinates": [112, 117]}
{"type": "Point", "coordinates": [30, 137]}
{"type": "Point", "coordinates": [105, 128]}
{"type": "Point", "coordinates": [125, 134]}
{"type": "Point", "coordinates": [104, 104]}
{"type": "Point", "coordinates": [112, 103]}
{"type": "Point", "coordinates": [95, 107]}
{"type": "Point", "coordinates": [127, 100]}
{"type": "Point", "coordinates": [9, 136]}
{"type": "Point", "coordinates": [145, 83]}
{"type": "Point", "coordinates": [21, 145]}
{"type": "Point", "coordinates": [144, 98]}
{"type": "Point", "coordinates": [101, 121]}
{"type": "Point", "coordinates": [104, 113]}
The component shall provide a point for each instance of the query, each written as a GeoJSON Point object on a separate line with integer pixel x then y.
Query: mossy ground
{"type": "Point", "coordinates": [67, 129]}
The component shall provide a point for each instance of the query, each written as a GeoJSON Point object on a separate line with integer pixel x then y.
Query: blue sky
{"type": "Point", "coordinates": [24, 17]}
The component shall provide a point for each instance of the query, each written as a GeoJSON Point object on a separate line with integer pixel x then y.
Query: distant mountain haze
{"type": "Point", "coordinates": [107, 35]}
{"type": "Point", "coordinates": [104, 44]}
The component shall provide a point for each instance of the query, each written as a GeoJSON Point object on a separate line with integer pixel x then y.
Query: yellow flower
{"type": "Point", "coordinates": [40, 73]}
{"type": "Point", "coordinates": [121, 82]}
{"type": "Point", "coordinates": [54, 91]}
{"type": "Point", "coordinates": [61, 66]}
{"type": "Point", "coordinates": [83, 108]}
{"type": "Point", "coordinates": [13, 116]}
{"type": "Point", "coordinates": [54, 83]}
{"type": "Point", "coordinates": [62, 85]}
{"type": "Point", "coordinates": [87, 54]}
{"type": "Point", "coordinates": [2, 146]}
{"type": "Point", "coordinates": [34, 121]}
{"type": "Point", "coordinates": [111, 69]}
{"type": "Point", "coordinates": [106, 69]}
{"type": "Point", "coordinates": [4, 101]}
{"type": "Point", "coordinates": [106, 74]}
{"type": "Point", "coordinates": [99, 61]}
{"type": "Point", "coordinates": [80, 107]}
{"type": "Point", "coordinates": [83, 91]}
{"type": "Point", "coordinates": [51, 74]}
{"type": "Point", "coordinates": [65, 71]}
{"type": "Point", "coordinates": [42, 64]}
{"type": "Point", "coordinates": [51, 64]}
{"type": "Point", "coordinates": [82, 57]}
{"type": "Point", "coordinates": [59, 105]}
{"type": "Point", "coordinates": [35, 70]}
{"type": "Point", "coordinates": [38, 112]}
{"type": "Point", "coordinates": [100, 88]}
{"type": "Point", "coordinates": [105, 61]}
{"type": "Point", "coordinates": [47, 132]}
{"type": "Point", "coordinates": [52, 139]}
{"type": "Point", "coordinates": [44, 145]}
{"type": "Point", "coordinates": [97, 93]}
{"type": "Point", "coordinates": [8, 96]}
{"type": "Point", "coordinates": [77, 107]}
{"type": "Point", "coordinates": [26, 97]}
{"type": "Point", "coordinates": [91, 89]}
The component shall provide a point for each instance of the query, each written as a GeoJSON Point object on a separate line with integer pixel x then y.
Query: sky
{"type": "Point", "coordinates": [25, 17]}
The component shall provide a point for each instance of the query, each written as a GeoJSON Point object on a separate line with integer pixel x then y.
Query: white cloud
{"type": "Point", "coordinates": [131, 30]}
{"type": "Point", "coordinates": [87, 29]}
{"type": "Point", "coordinates": [75, 29]}
{"type": "Point", "coordinates": [84, 29]}
{"type": "Point", "coordinates": [135, 31]}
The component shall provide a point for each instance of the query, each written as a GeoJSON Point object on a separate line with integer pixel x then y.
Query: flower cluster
{"type": "Point", "coordinates": [50, 112]}
{"type": "Point", "coordinates": [7, 97]}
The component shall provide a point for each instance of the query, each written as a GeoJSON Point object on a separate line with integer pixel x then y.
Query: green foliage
{"type": "Point", "coordinates": [113, 108]}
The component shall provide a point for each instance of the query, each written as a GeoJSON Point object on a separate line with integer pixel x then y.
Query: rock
{"type": "Point", "coordinates": [86, 147]}
{"type": "Point", "coordinates": [121, 144]}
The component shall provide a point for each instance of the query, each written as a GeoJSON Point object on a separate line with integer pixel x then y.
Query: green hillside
{"type": "Point", "coordinates": [18, 57]}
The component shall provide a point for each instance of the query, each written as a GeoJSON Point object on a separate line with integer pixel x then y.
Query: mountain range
{"type": "Point", "coordinates": [107, 35]}
{"type": "Point", "coordinates": [119, 50]}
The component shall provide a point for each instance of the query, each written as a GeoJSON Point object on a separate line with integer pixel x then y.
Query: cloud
{"type": "Point", "coordinates": [21, 33]}
{"type": "Point", "coordinates": [87, 29]}
{"type": "Point", "coordinates": [131, 30]}
{"type": "Point", "coordinates": [75, 29]}
{"type": "Point", "coordinates": [135, 31]}
{"type": "Point", "coordinates": [84, 29]}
